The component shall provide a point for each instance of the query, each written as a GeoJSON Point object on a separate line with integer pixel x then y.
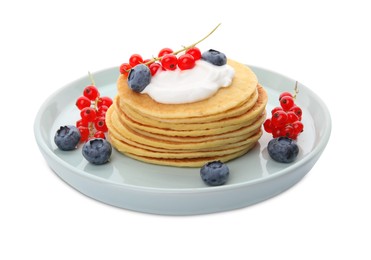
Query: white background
{"type": "Point", "coordinates": [323, 44]}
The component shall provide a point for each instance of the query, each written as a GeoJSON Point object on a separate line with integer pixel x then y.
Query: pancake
{"type": "Point", "coordinates": [243, 86]}
{"type": "Point", "coordinates": [253, 127]}
{"type": "Point", "coordinates": [235, 111]}
{"type": "Point", "coordinates": [222, 127]}
{"type": "Point", "coordinates": [181, 154]}
{"type": "Point", "coordinates": [124, 131]}
{"type": "Point", "coordinates": [190, 162]}
{"type": "Point", "coordinates": [225, 125]}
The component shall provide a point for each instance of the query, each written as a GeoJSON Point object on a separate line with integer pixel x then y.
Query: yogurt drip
{"type": "Point", "coordinates": [187, 86]}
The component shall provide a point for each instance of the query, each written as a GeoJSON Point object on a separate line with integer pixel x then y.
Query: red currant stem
{"type": "Point", "coordinates": [91, 78]}
{"type": "Point", "coordinates": [184, 47]}
{"type": "Point", "coordinates": [96, 103]}
{"type": "Point", "coordinates": [93, 83]}
{"type": "Point", "coordinates": [193, 45]}
{"type": "Point", "coordinates": [91, 129]}
{"type": "Point", "coordinates": [296, 90]}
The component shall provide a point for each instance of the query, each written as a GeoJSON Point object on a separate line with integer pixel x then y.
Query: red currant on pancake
{"type": "Point", "coordinates": [186, 62]}
{"type": "Point", "coordinates": [154, 67]}
{"type": "Point", "coordinates": [82, 102]}
{"type": "Point", "coordinates": [287, 102]}
{"type": "Point", "coordinates": [91, 92]}
{"type": "Point", "coordinates": [135, 59]}
{"type": "Point", "coordinates": [125, 68]}
{"type": "Point", "coordinates": [88, 114]}
{"type": "Point", "coordinates": [104, 101]}
{"type": "Point", "coordinates": [164, 51]}
{"type": "Point", "coordinates": [169, 61]}
{"type": "Point", "coordinates": [195, 52]}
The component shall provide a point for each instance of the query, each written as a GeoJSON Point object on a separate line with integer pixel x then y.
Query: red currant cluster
{"type": "Point", "coordinates": [166, 60]}
{"type": "Point", "coordinates": [286, 119]}
{"type": "Point", "coordinates": [93, 108]}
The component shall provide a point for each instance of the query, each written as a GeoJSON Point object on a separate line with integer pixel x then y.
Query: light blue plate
{"type": "Point", "coordinates": [143, 187]}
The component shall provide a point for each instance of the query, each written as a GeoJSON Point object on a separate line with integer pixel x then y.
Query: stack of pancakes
{"type": "Point", "coordinates": [222, 127]}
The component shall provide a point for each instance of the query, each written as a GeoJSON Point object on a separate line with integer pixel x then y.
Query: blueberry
{"type": "Point", "coordinates": [97, 151]}
{"type": "Point", "coordinates": [283, 149]}
{"type": "Point", "coordinates": [67, 137]}
{"type": "Point", "coordinates": [139, 77]}
{"type": "Point", "coordinates": [214, 57]}
{"type": "Point", "coordinates": [214, 173]}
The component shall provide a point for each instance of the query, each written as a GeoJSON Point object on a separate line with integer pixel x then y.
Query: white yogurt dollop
{"type": "Point", "coordinates": [187, 86]}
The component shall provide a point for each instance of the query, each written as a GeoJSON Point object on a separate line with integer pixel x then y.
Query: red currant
{"type": "Point", "coordinates": [169, 61]}
{"type": "Point", "coordinates": [125, 68]}
{"type": "Point", "coordinates": [288, 131]}
{"type": "Point", "coordinates": [274, 110]}
{"type": "Point", "coordinates": [84, 132]}
{"type": "Point", "coordinates": [285, 94]}
{"type": "Point", "coordinates": [82, 102]}
{"type": "Point", "coordinates": [286, 119]}
{"type": "Point", "coordinates": [165, 51]}
{"type": "Point", "coordinates": [298, 127]}
{"type": "Point", "coordinates": [287, 102]}
{"type": "Point", "coordinates": [292, 117]}
{"type": "Point", "coordinates": [195, 52]}
{"type": "Point", "coordinates": [91, 92]}
{"type": "Point", "coordinates": [99, 134]}
{"type": "Point", "coordinates": [100, 124]}
{"type": "Point", "coordinates": [186, 62]}
{"type": "Point", "coordinates": [154, 67]}
{"type": "Point", "coordinates": [135, 59]}
{"type": "Point", "coordinates": [104, 101]}
{"type": "Point", "coordinates": [279, 118]}
{"type": "Point", "coordinates": [82, 122]}
{"type": "Point", "coordinates": [297, 110]}
{"type": "Point", "coordinates": [277, 132]}
{"type": "Point", "coordinates": [101, 111]}
{"type": "Point", "coordinates": [268, 125]}
{"type": "Point", "coordinates": [88, 114]}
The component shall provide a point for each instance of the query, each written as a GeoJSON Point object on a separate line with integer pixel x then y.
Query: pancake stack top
{"type": "Point", "coordinates": [222, 127]}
